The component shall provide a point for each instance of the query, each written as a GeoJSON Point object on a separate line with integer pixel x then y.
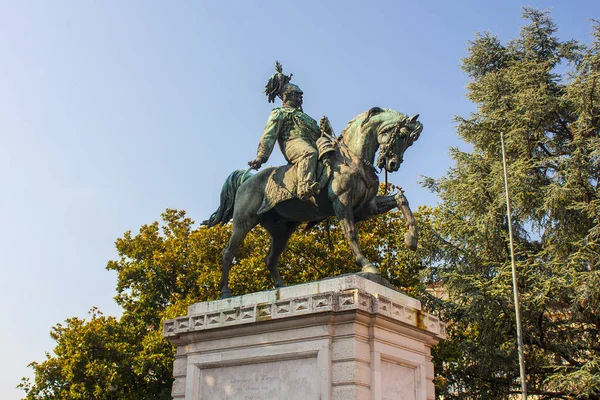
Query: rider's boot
{"type": "Point", "coordinates": [307, 185]}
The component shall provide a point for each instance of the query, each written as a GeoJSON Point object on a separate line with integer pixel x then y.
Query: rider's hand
{"type": "Point", "coordinates": [325, 126]}
{"type": "Point", "coordinates": [256, 163]}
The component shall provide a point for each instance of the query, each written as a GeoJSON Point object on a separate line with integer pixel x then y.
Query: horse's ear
{"type": "Point", "coordinates": [373, 111]}
{"type": "Point", "coordinates": [413, 118]}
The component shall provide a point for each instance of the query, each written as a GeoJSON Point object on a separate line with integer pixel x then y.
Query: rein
{"type": "Point", "coordinates": [364, 161]}
{"type": "Point", "coordinates": [384, 148]}
{"type": "Point", "coordinates": [343, 148]}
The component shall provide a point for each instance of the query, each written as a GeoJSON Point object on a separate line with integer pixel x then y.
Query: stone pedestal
{"type": "Point", "coordinates": [341, 338]}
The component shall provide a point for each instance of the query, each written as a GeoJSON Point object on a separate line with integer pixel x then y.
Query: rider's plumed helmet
{"type": "Point", "coordinates": [279, 85]}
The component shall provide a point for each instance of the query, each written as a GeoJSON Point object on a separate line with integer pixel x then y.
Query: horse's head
{"type": "Point", "coordinates": [395, 133]}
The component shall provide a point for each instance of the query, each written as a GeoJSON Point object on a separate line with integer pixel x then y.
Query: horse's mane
{"type": "Point", "coordinates": [368, 114]}
{"type": "Point", "coordinates": [352, 121]}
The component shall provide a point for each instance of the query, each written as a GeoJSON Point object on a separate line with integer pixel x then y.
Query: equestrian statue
{"type": "Point", "coordinates": [325, 176]}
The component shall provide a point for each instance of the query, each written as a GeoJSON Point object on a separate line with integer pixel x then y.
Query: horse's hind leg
{"type": "Point", "coordinates": [280, 234]}
{"type": "Point", "coordinates": [240, 230]}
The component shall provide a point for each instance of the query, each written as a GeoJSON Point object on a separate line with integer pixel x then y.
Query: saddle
{"type": "Point", "coordinates": [282, 184]}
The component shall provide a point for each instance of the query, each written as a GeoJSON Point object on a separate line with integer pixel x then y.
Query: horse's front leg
{"type": "Point", "coordinates": [343, 211]}
{"type": "Point", "coordinates": [377, 205]}
{"type": "Point", "coordinates": [411, 237]}
{"type": "Point", "coordinates": [382, 204]}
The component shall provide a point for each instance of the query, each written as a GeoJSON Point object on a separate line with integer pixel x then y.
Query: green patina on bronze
{"type": "Point", "coordinates": [280, 199]}
{"type": "Point", "coordinates": [295, 131]}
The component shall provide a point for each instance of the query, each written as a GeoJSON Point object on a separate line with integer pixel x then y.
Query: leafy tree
{"type": "Point", "coordinates": [543, 94]}
{"type": "Point", "coordinates": [100, 358]}
{"type": "Point", "coordinates": [169, 265]}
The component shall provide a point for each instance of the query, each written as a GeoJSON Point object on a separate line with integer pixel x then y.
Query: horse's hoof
{"type": "Point", "coordinates": [371, 269]}
{"type": "Point", "coordinates": [225, 294]}
{"type": "Point", "coordinates": [279, 286]}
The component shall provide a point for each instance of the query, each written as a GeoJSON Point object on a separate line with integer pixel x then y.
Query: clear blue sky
{"type": "Point", "coordinates": [112, 111]}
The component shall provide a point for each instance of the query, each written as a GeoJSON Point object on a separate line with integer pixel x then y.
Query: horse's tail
{"type": "Point", "coordinates": [225, 211]}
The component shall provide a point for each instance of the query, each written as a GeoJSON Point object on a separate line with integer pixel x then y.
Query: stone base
{"type": "Point", "coordinates": [341, 338]}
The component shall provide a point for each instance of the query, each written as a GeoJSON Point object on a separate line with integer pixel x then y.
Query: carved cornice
{"type": "Point", "coordinates": [317, 303]}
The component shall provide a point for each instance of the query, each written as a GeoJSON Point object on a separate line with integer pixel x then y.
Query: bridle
{"type": "Point", "coordinates": [388, 138]}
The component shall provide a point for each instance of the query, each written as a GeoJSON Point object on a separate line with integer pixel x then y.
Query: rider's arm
{"type": "Point", "coordinates": [269, 136]}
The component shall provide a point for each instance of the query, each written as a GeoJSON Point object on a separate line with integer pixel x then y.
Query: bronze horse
{"type": "Point", "coordinates": [350, 193]}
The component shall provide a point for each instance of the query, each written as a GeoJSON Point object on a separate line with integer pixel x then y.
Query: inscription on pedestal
{"type": "Point", "coordinates": [286, 379]}
{"type": "Point", "coordinates": [398, 381]}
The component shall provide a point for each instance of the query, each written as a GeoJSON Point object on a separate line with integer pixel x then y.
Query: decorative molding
{"type": "Point", "coordinates": [344, 300]}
